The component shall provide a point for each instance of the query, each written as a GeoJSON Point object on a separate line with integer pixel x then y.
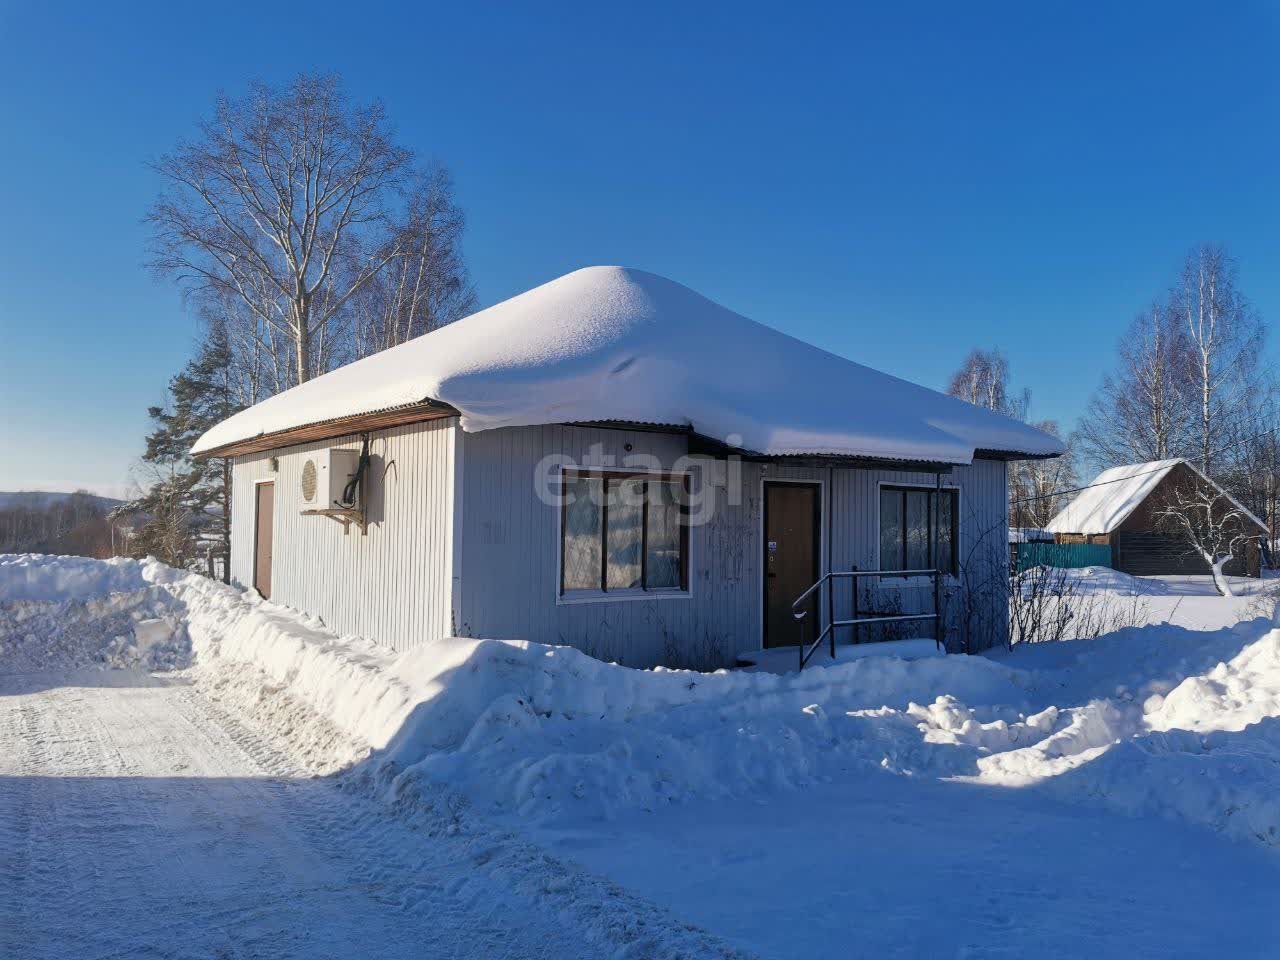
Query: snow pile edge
{"type": "Point", "coordinates": [545, 734]}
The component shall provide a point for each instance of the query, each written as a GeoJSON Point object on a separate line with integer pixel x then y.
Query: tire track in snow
{"type": "Point", "coordinates": [16, 812]}
{"type": "Point", "coordinates": [143, 821]}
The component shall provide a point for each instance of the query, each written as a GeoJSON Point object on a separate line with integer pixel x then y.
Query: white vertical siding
{"type": "Point", "coordinates": [510, 549]}
{"type": "Point", "coordinates": [393, 585]}
{"type": "Point", "coordinates": [510, 554]}
{"type": "Point", "coordinates": [982, 546]}
{"type": "Point", "coordinates": [460, 542]}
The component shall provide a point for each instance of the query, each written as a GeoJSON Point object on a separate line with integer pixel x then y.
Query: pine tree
{"type": "Point", "coordinates": [187, 498]}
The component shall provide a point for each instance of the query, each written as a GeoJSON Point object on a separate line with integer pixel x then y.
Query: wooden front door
{"type": "Point", "coordinates": [791, 566]}
{"type": "Point", "coordinates": [266, 508]}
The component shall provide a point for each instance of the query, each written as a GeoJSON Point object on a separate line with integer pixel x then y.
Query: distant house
{"type": "Point", "coordinates": [1121, 508]}
{"type": "Point", "coordinates": [614, 462]}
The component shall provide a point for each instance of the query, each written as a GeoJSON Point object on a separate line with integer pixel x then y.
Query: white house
{"type": "Point", "coordinates": [614, 462]}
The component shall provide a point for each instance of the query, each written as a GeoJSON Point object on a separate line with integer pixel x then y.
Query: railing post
{"type": "Point", "coordinates": [800, 647]}
{"type": "Point", "coordinates": [937, 608]}
{"type": "Point", "coordinates": [856, 634]}
{"type": "Point", "coordinates": [831, 612]}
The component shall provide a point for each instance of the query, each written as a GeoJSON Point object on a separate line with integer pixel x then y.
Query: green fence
{"type": "Point", "coordinates": [1028, 555]}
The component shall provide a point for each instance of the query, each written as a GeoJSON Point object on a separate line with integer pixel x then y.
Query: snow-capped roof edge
{"type": "Point", "coordinates": [624, 345]}
{"type": "Point", "coordinates": [1061, 523]}
{"type": "Point", "coordinates": [1227, 493]}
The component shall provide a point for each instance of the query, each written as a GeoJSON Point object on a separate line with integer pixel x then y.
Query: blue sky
{"type": "Point", "coordinates": [897, 183]}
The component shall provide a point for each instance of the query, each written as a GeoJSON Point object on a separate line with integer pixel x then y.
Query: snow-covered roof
{"type": "Point", "coordinates": [1114, 494]}
{"type": "Point", "coordinates": [1029, 535]}
{"type": "Point", "coordinates": [615, 344]}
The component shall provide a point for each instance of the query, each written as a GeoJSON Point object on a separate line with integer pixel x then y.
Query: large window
{"type": "Point", "coordinates": [917, 529]}
{"type": "Point", "coordinates": [622, 533]}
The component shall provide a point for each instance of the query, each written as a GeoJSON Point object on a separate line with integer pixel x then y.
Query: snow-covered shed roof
{"type": "Point", "coordinates": [1114, 494]}
{"type": "Point", "coordinates": [616, 344]}
{"type": "Point", "coordinates": [1029, 535]}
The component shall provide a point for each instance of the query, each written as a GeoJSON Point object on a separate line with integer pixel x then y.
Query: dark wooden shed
{"type": "Point", "coordinates": [1122, 507]}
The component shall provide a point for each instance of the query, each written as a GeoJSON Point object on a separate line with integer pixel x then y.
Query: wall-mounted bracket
{"type": "Point", "coordinates": [346, 517]}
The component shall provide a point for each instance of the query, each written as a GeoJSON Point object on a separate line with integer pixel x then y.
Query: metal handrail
{"type": "Point", "coordinates": [829, 631]}
{"type": "Point", "coordinates": [855, 574]}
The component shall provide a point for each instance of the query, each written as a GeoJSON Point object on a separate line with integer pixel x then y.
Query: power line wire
{"type": "Point", "coordinates": [1103, 483]}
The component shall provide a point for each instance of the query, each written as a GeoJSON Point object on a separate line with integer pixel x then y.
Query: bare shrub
{"type": "Point", "coordinates": [1049, 603]}
{"type": "Point", "coordinates": [703, 653]}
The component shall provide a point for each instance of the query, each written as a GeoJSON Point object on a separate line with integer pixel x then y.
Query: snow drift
{"type": "Point", "coordinates": [1151, 721]}
{"type": "Point", "coordinates": [609, 343]}
{"type": "Point", "coordinates": [34, 576]}
{"type": "Point", "coordinates": [65, 612]}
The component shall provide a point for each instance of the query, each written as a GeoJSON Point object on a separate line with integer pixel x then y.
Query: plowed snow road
{"type": "Point", "coordinates": [137, 819]}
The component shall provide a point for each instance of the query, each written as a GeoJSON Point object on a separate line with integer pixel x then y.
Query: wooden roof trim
{"type": "Point", "coordinates": [435, 410]}
{"type": "Point", "coordinates": [329, 429]}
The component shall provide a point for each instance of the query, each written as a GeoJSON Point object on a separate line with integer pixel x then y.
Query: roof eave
{"type": "Point", "coordinates": [331, 429]}
{"type": "Point", "coordinates": [1012, 455]}
{"type": "Point", "coordinates": [429, 409]}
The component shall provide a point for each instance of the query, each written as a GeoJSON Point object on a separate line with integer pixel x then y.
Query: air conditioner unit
{"type": "Point", "coordinates": [325, 475]}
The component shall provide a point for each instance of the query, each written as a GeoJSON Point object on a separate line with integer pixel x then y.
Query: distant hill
{"type": "Point", "coordinates": [41, 499]}
{"type": "Point", "coordinates": [42, 521]}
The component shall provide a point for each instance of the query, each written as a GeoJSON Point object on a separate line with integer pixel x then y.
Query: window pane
{"type": "Point", "coordinates": [582, 533]}
{"type": "Point", "coordinates": [918, 530]}
{"type": "Point", "coordinates": [662, 562]}
{"type": "Point", "coordinates": [890, 529]}
{"type": "Point", "coordinates": [626, 511]}
{"type": "Point", "coordinates": [946, 518]}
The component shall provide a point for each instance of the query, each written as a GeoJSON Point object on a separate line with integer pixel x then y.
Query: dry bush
{"type": "Point", "coordinates": [1050, 603]}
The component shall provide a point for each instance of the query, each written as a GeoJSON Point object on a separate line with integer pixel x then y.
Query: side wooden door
{"type": "Point", "coordinates": [265, 515]}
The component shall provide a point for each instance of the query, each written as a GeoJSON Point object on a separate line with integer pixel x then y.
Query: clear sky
{"type": "Point", "coordinates": [894, 182]}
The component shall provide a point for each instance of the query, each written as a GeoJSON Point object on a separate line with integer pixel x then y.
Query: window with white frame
{"type": "Point", "coordinates": [918, 528]}
{"type": "Point", "coordinates": [622, 533]}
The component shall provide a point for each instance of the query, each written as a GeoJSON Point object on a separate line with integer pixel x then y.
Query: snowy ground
{"type": "Point", "coordinates": [139, 820]}
{"type": "Point", "coordinates": [176, 813]}
{"type": "Point", "coordinates": [1111, 798]}
{"type": "Point", "coordinates": [1062, 811]}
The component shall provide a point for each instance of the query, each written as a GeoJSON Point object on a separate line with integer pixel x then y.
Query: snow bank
{"type": "Point", "coordinates": [142, 629]}
{"type": "Point", "coordinates": [1151, 721]}
{"type": "Point", "coordinates": [59, 613]}
{"type": "Point", "coordinates": [1233, 696]}
{"type": "Point", "coordinates": [609, 343]}
{"type": "Point", "coordinates": [33, 576]}
{"type": "Point", "coordinates": [1083, 581]}
{"type": "Point", "coordinates": [521, 726]}
{"type": "Point", "coordinates": [1145, 722]}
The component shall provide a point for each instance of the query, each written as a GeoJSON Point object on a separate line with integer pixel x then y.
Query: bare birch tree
{"type": "Point", "coordinates": [1143, 410]}
{"type": "Point", "coordinates": [1034, 484]}
{"type": "Point", "coordinates": [285, 203]}
{"type": "Point", "coordinates": [425, 284]}
{"type": "Point", "coordinates": [1259, 486]}
{"type": "Point", "coordinates": [1189, 383]}
{"type": "Point", "coordinates": [1208, 520]}
{"type": "Point", "coordinates": [1225, 339]}
{"type": "Point", "coordinates": [260, 361]}
{"type": "Point", "coordinates": [983, 380]}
